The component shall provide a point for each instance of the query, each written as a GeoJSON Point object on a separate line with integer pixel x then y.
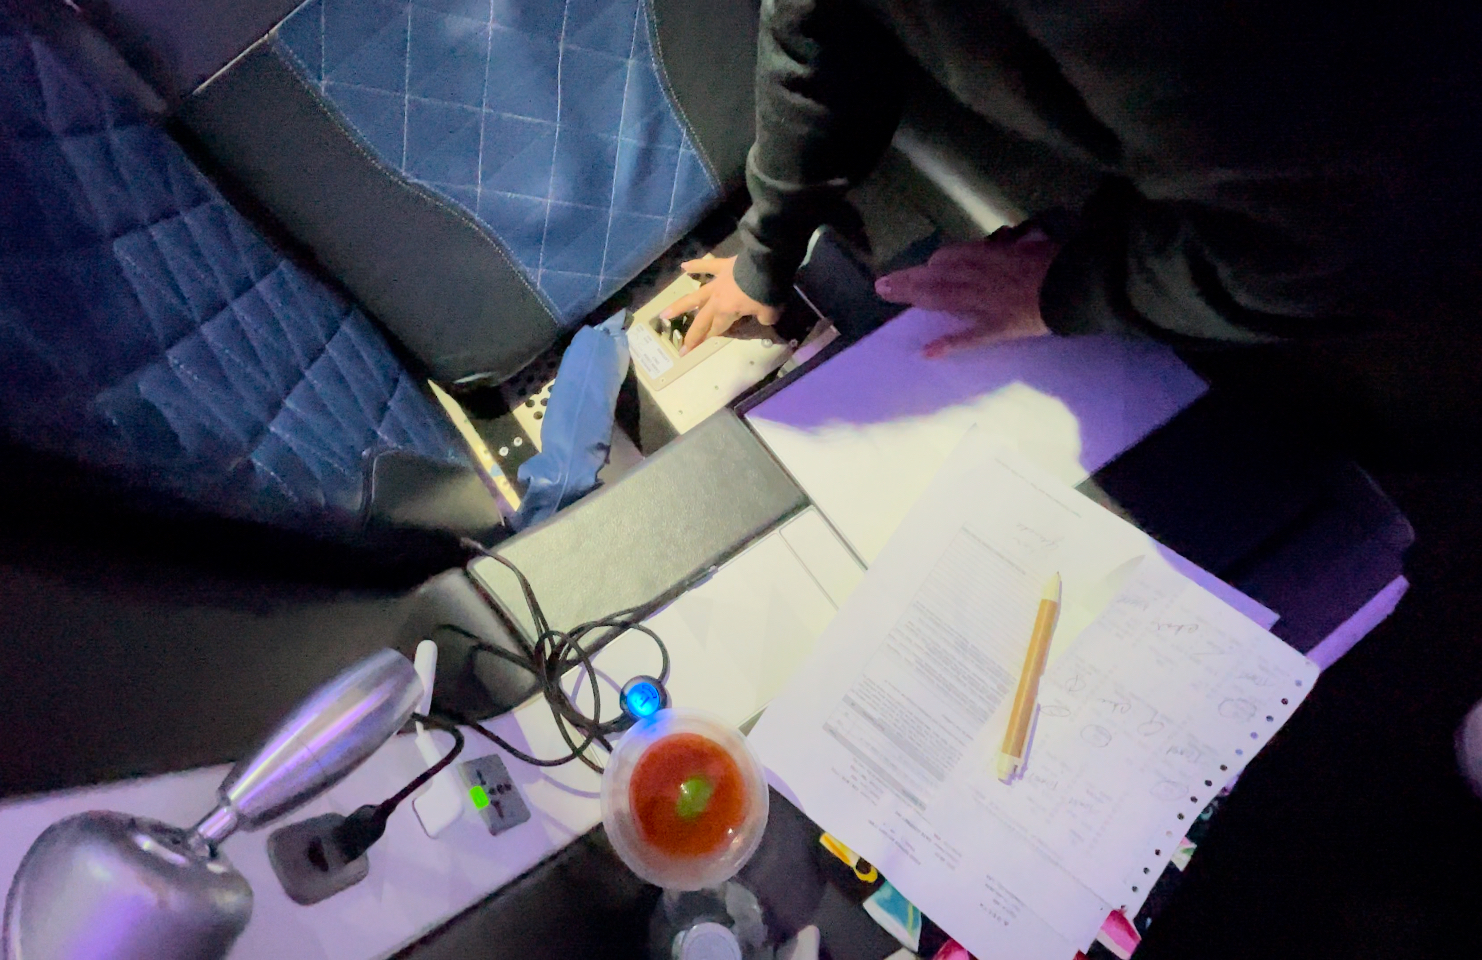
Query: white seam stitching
{"type": "Point", "coordinates": [211, 274]}
{"type": "Point", "coordinates": [633, 40]}
{"type": "Point", "coordinates": [556, 146]}
{"type": "Point", "coordinates": [396, 177]}
{"type": "Point", "coordinates": [601, 53]}
{"type": "Point", "coordinates": [440, 185]}
{"type": "Point", "coordinates": [406, 89]}
{"type": "Point", "coordinates": [663, 72]}
{"type": "Point", "coordinates": [673, 194]}
{"type": "Point", "coordinates": [612, 196]}
{"type": "Point", "coordinates": [504, 114]}
{"type": "Point", "coordinates": [478, 196]}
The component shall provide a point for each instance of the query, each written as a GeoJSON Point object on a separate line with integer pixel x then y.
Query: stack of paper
{"type": "Point", "coordinates": [866, 431]}
{"type": "Point", "coordinates": [1157, 694]}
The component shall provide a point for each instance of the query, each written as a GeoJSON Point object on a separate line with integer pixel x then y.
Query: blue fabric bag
{"type": "Point", "coordinates": [577, 431]}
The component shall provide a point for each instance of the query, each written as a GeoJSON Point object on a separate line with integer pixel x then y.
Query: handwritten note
{"type": "Point", "coordinates": [1140, 725]}
{"type": "Point", "coordinates": [887, 736]}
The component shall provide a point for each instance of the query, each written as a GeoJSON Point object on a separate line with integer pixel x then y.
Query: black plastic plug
{"type": "Point", "coordinates": [360, 831]}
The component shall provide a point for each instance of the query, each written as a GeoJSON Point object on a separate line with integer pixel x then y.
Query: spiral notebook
{"type": "Point", "coordinates": [1157, 694]}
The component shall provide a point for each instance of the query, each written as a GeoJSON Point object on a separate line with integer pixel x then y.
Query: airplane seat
{"type": "Point", "coordinates": [479, 174]}
{"type": "Point", "coordinates": [150, 333]}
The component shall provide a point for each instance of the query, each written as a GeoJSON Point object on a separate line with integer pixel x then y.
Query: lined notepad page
{"type": "Point", "coordinates": [888, 735]}
{"type": "Point", "coordinates": [1158, 704]}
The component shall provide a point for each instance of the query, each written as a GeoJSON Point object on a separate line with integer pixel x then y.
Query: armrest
{"type": "Point", "coordinates": [694, 504]}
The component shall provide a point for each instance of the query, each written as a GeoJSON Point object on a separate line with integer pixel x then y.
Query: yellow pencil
{"type": "Point", "coordinates": [1015, 738]}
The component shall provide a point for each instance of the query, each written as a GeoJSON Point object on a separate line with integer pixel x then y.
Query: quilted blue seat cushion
{"type": "Point", "coordinates": [147, 329]}
{"type": "Point", "coordinates": [546, 121]}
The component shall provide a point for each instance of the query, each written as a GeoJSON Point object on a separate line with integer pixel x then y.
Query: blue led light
{"type": "Point", "coordinates": [643, 699]}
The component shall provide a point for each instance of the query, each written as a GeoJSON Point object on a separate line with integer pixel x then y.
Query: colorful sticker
{"type": "Point", "coordinates": [897, 915]}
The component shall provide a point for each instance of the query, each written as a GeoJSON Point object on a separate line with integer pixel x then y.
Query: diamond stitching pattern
{"type": "Point", "coordinates": [147, 328]}
{"type": "Point", "coordinates": [545, 120]}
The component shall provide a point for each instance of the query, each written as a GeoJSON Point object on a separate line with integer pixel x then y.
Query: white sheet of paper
{"type": "Point", "coordinates": [866, 431]}
{"type": "Point", "coordinates": [888, 735]}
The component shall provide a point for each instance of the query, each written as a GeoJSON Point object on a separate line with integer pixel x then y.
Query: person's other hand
{"type": "Point", "coordinates": [992, 283]}
{"type": "Point", "coordinates": [720, 303]}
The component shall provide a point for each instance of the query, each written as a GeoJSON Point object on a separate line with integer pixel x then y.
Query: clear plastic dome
{"type": "Point", "coordinates": [684, 800]}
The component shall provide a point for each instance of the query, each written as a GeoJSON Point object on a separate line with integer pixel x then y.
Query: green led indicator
{"type": "Point", "coordinates": [479, 797]}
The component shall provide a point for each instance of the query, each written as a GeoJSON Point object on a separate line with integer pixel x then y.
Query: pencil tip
{"type": "Point", "coordinates": [1052, 589]}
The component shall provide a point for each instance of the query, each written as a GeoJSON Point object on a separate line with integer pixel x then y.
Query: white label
{"type": "Point", "coordinates": [647, 352]}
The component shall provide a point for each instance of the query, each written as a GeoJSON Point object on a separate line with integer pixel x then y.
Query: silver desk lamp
{"type": "Point", "coordinates": [109, 886]}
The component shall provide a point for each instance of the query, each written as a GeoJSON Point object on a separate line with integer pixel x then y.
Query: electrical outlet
{"type": "Point", "coordinates": [673, 331]}
{"type": "Point", "coordinates": [308, 861]}
{"type": "Point", "coordinates": [494, 794]}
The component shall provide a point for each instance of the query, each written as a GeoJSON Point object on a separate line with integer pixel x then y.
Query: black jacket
{"type": "Point", "coordinates": [1273, 168]}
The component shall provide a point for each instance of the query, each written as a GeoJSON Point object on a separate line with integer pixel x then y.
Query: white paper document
{"type": "Point", "coordinates": [1157, 694]}
{"type": "Point", "coordinates": [865, 432]}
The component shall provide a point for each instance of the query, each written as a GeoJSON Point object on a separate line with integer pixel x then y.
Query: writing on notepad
{"type": "Point", "coordinates": [1136, 722]}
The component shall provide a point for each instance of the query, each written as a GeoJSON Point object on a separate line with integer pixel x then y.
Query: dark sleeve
{"type": "Point", "coordinates": [1247, 262]}
{"type": "Point", "coordinates": [829, 92]}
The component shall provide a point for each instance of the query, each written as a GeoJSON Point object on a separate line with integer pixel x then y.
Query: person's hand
{"type": "Point", "coordinates": [720, 303]}
{"type": "Point", "coordinates": [992, 283]}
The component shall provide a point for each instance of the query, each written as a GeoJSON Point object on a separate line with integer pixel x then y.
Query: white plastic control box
{"type": "Point", "coordinates": [677, 392]}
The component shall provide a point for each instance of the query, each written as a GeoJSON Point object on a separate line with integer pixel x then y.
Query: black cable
{"type": "Point", "coordinates": [365, 826]}
{"type": "Point", "coordinates": [391, 803]}
{"type": "Point", "coordinates": [554, 652]}
{"type": "Point", "coordinates": [482, 646]}
{"type": "Point", "coordinates": [548, 658]}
